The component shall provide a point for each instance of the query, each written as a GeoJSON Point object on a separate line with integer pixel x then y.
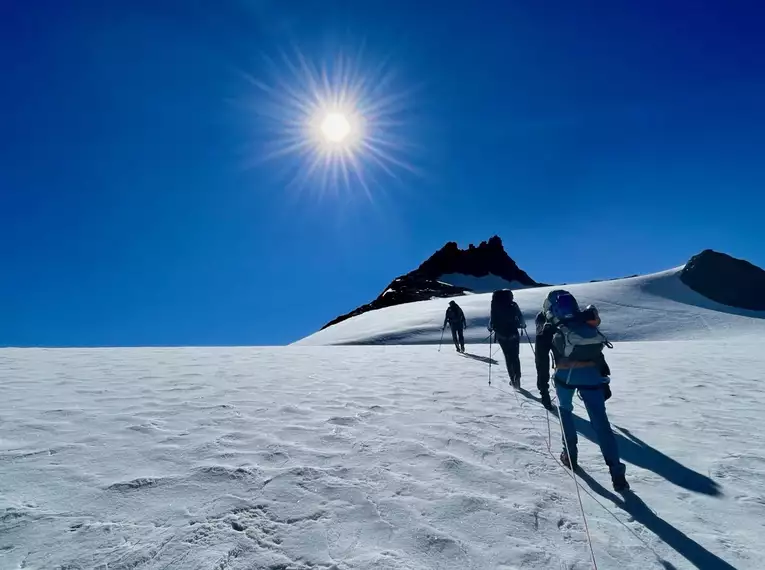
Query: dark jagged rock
{"type": "Point", "coordinates": [404, 289]}
{"type": "Point", "coordinates": [423, 283]}
{"type": "Point", "coordinates": [725, 279]}
{"type": "Point", "coordinates": [488, 257]}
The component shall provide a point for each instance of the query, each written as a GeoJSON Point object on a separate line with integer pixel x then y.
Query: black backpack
{"type": "Point", "coordinates": [504, 313]}
{"type": "Point", "coordinates": [454, 315]}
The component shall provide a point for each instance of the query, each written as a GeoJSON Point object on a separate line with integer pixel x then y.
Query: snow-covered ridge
{"type": "Point", "coordinates": [485, 284]}
{"type": "Point", "coordinates": [650, 307]}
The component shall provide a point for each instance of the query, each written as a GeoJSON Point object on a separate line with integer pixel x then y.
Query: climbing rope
{"type": "Point", "coordinates": [572, 471]}
{"type": "Point", "coordinates": [548, 443]}
{"type": "Point", "coordinates": [579, 486]}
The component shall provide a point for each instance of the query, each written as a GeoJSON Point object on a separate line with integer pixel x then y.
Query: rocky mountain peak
{"type": "Point", "coordinates": [488, 258]}
{"type": "Point", "coordinates": [725, 279]}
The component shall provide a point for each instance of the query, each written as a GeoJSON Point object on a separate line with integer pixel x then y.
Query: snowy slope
{"type": "Point", "coordinates": [652, 307]}
{"type": "Point", "coordinates": [375, 457]}
{"type": "Point", "coordinates": [389, 457]}
{"type": "Point", "coordinates": [485, 284]}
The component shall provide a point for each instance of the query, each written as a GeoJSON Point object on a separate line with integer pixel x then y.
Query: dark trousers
{"type": "Point", "coordinates": [457, 337]}
{"type": "Point", "coordinates": [511, 346]}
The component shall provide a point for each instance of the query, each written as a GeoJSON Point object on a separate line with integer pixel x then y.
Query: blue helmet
{"type": "Point", "coordinates": [560, 305]}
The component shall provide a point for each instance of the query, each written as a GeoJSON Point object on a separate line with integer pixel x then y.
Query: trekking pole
{"type": "Point", "coordinates": [490, 359]}
{"type": "Point", "coordinates": [442, 339]}
{"type": "Point", "coordinates": [531, 344]}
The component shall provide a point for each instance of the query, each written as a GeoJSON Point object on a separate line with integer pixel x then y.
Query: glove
{"type": "Point", "coordinates": [546, 401]}
{"type": "Point", "coordinates": [606, 391]}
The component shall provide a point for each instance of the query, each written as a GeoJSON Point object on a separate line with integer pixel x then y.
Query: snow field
{"type": "Point", "coordinates": [370, 457]}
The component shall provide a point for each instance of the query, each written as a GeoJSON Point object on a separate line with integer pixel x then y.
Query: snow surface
{"type": "Point", "coordinates": [389, 457]}
{"type": "Point", "coordinates": [651, 307]}
{"type": "Point", "coordinates": [375, 457]}
{"type": "Point", "coordinates": [485, 284]}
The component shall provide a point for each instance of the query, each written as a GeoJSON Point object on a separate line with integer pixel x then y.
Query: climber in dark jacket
{"type": "Point", "coordinates": [505, 320]}
{"type": "Point", "coordinates": [456, 319]}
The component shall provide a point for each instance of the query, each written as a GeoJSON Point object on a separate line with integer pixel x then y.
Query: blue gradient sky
{"type": "Point", "coordinates": [599, 139]}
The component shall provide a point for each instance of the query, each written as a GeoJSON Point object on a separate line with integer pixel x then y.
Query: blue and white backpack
{"type": "Point", "coordinates": [575, 338]}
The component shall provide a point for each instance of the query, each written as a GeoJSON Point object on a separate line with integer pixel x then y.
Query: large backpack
{"type": "Point", "coordinates": [504, 313]}
{"type": "Point", "coordinates": [574, 339]}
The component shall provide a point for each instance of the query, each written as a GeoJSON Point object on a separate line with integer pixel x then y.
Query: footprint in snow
{"type": "Point", "coordinates": [342, 420]}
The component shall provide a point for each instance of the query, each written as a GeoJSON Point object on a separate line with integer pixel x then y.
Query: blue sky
{"type": "Point", "coordinates": [599, 139]}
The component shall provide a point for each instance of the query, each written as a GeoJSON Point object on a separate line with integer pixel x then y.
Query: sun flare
{"type": "Point", "coordinates": [335, 127]}
{"type": "Point", "coordinates": [343, 122]}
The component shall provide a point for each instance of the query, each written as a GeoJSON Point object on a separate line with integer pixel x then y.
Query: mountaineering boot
{"type": "Point", "coordinates": [546, 402]}
{"type": "Point", "coordinates": [567, 462]}
{"type": "Point", "coordinates": [618, 480]}
{"type": "Point", "coordinates": [620, 483]}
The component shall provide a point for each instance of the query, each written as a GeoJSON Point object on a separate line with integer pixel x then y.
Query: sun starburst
{"type": "Point", "coordinates": [336, 128]}
{"type": "Point", "coordinates": [343, 120]}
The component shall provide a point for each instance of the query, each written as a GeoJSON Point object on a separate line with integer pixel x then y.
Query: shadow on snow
{"type": "Point", "coordinates": [691, 550]}
{"type": "Point", "coordinates": [636, 451]}
{"type": "Point", "coordinates": [484, 359]}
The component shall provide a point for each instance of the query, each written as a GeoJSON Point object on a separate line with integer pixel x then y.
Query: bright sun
{"type": "Point", "coordinates": [344, 119]}
{"type": "Point", "coordinates": [335, 127]}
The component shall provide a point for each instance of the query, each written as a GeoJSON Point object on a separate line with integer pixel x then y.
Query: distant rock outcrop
{"type": "Point", "coordinates": [725, 279]}
{"type": "Point", "coordinates": [489, 258]}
